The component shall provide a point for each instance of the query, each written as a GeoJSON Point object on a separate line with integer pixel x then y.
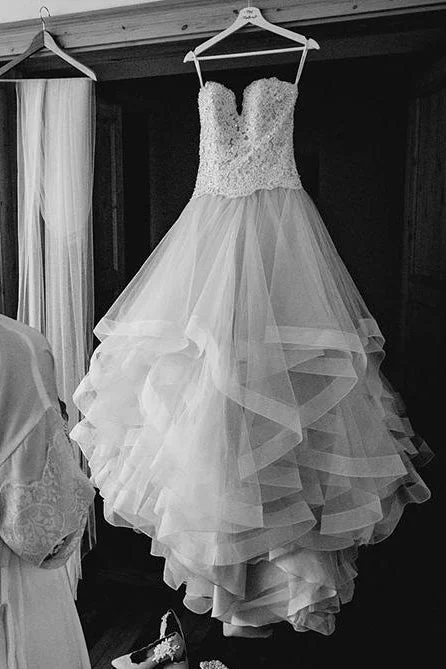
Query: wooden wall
{"type": "Point", "coordinates": [8, 202]}
{"type": "Point", "coordinates": [172, 21]}
{"type": "Point", "coordinates": [424, 271]}
{"type": "Point", "coordinates": [152, 39]}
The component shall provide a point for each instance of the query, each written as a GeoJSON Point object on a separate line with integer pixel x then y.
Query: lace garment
{"type": "Point", "coordinates": [44, 498]}
{"type": "Point", "coordinates": [251, 150]}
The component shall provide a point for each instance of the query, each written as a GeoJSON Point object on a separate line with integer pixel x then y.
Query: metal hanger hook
{"type": "Point", "coordinates": [42, 18]}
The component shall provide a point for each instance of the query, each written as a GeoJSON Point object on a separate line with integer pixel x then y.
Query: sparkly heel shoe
{"type": "Point", "coordinates": [168, 652]}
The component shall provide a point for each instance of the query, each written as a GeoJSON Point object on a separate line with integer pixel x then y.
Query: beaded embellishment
{"type": "Point", "coordinates": [251, 150]}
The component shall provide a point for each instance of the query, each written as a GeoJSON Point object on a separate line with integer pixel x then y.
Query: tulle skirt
{"type": "Point", "coordinates": [235, 413]}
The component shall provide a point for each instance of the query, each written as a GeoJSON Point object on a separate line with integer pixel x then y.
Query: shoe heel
{"type": "Point", "coordinates": [121, 662]}
{"type": "Point", "coordinates": [184, 662]}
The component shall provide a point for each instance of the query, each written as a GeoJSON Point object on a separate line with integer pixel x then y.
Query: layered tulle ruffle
{"type": "Point", "coordinates": [235, 413]}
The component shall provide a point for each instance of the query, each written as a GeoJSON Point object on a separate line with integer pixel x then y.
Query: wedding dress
{"type": "Point", "coordinates": [234, 411]}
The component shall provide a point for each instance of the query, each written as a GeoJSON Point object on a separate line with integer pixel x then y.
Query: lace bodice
{"type": "Point", "coordinates": [251, 150]}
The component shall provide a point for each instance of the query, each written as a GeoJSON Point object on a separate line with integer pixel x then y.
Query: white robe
{"type": "Point", "coordinates": [44, 500]}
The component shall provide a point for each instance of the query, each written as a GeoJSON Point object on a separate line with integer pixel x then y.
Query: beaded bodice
{"type": "Point", "coordinates": [251, 150]}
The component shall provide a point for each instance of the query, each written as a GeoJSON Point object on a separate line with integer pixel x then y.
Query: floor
{"type": "Point", "coordinates": [391, 622]}
{"type": "Point", "coordinates": [121, 611]}
{"type": "Point", "coordinates": [122, 597]}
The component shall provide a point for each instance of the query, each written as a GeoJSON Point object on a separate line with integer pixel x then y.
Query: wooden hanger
{"type": "Point", "coordinates": [250, 16]}
{"type": "Point", "coordinates": [43, 40]}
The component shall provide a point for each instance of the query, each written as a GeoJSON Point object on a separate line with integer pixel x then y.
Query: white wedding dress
{"type": "Point", "coordinates": [234, 411]}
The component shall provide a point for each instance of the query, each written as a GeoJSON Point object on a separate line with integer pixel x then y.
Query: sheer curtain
{"type": "Point", "coordinates": [55, 160]}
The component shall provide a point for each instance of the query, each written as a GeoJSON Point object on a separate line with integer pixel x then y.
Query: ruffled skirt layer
{"type": "Point", "coordinates": [234, 412]}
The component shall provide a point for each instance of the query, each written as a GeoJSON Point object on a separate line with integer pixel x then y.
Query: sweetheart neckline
{"type": "Point", "coordinates": [246, 88]}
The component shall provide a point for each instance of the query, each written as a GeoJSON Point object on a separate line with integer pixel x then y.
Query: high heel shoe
{"type": "Point", "coordinates": [168, 652]}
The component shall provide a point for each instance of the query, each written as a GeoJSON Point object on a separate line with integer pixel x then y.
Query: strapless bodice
{"type": "Point", "coordinates": [251, 150]}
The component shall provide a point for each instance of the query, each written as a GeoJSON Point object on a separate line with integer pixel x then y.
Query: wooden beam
{"type": "Point", "coordinates": [140, 62]}
{"type": "Point", "coordinates": [383, 36]}
{"type": "Point", "coordinates": [178, 20]}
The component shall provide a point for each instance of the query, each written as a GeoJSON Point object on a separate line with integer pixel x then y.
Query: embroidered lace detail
{"type": "Point", "coordinates": [45, 518]}
{"type": "Point", "coordinates": [171, 648]}
{"type": "Point", "coordinates": [241, 153]}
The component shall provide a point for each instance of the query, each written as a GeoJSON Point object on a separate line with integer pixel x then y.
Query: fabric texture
{"type": "Point", "coordinates": [55, 128]}
{"type": "Point", "coordinates": [55, 163]}
{"type": "Point", "coordinates": [246, 151]}
{"type": "Point", "coordinates": [39, 625]}
{"type": "Point", "coordinates": [44, 498]}
{"type": "Point", "coordinates": [235, 411]}
{"type": "Point", "coordinates": [44, 502]}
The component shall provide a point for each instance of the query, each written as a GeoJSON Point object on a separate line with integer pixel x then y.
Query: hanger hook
{"type": "Point", "coordinates": [42, 18]}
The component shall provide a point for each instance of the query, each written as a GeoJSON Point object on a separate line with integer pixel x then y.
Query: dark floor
{"type": "Point", "coordinates": [392, 621]}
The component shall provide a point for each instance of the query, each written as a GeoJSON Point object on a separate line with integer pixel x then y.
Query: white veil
{"type": "Point", "coordinates": [55, 162]}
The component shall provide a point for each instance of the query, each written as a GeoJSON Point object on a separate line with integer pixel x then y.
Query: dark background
{"type": "Point", "coordinates": [351, 126]}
